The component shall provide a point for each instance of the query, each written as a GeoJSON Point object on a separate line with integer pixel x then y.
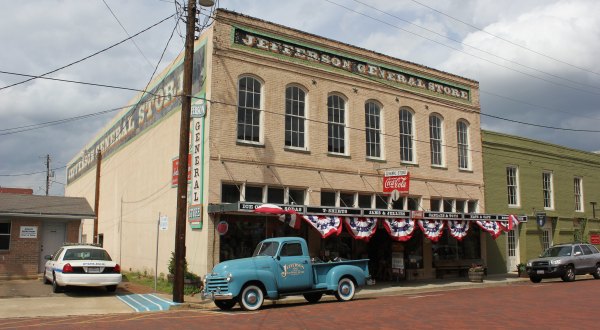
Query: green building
{"type": "Point", "coordinates": [545, 182]}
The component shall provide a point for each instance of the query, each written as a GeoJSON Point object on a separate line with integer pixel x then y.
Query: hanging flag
{"type": "Point", "coordinates": [269, 209]}
{"type": "Point", "coordinates": [326, 225]}
{"type": "Point", "coordinates": [291, 218]}
{"type": "Point", "coordinates": [399, 229]}
{"type": "Point", "coordinates": [492, 227]}
{"type": "Point", "coordinates": [361, 228]}
{"type": "Point", "coordinates": [458, 228]}
{"type": "Point", "coordinates": [513, 221]}
{"type": "Point", "coordinates": [432, 229]}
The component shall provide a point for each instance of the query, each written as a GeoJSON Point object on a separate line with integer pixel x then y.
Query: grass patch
{"type": "Point", "coordinates": [162, 285]}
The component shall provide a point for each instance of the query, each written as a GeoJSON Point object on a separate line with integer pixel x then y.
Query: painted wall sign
{"type": "Point", "coordinates": [595, 239]}
{"type": "Point", "coordinates": [395, 76]}
{"type": "Point", "coordinates": [28, 232]}
{"type": "Point", "coordinates": [175, 170]}
{"type": "Point", "coordinates": [400, 183]}
{"type": "Point", "coordinates": [161, 99]}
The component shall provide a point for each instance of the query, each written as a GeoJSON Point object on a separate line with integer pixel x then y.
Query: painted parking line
{"type": "Point", "coordinates": [146, 302]}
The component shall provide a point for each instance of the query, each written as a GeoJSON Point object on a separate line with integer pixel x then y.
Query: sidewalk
{"type": "Point", "coordinates": [387, 289]}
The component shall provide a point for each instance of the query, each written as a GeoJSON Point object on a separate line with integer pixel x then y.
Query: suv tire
{"type": "Point", "coordinates": [596, 272]}
{"type": "Point", "coordinates": [569, 274]}
{"type": "Point", "coordinates": [535, 279]}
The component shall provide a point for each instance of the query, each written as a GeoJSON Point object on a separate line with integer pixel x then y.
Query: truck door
{"type": "Point", "coordinates": [294, 271]}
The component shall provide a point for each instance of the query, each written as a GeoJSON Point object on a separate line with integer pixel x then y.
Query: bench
{"type": "Point", "coordinates": [461, 266]}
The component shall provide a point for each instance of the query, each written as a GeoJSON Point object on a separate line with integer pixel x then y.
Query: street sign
{"type": "Point", "coordinates": [163, 222]}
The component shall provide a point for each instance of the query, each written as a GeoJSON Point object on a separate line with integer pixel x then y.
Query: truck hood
{"type": "Point", "coordinates": [229, 266]}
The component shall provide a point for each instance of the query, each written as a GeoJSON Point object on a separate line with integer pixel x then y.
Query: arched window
{"type": "Point", "coordinates": [462, 141]}
{"type": "Point", "coordinates": [436, 139]}
{"type": "Point", "coordinates": [406, 136]}
{"type": "Point", "coordinates": [336, 124]}
{"type": "Point", "coordinates": [249, 113]}
{"type": "Point", "coordinates": [295, 117]}
{"type": "Point", "coordinates": [373, 129]}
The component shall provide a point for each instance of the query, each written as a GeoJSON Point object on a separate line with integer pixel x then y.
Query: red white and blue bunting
{"type": "Point", "coordinates": [325, 225]}
{"type": "Point", "coordinates": [492, 227]}
{"type": "Point", "coordinates": [458, 228]}
{"type": "Point", "coordinates": [399, 229]}
{"type": "Point", "coordinates": [361, 228]}
{"type": "Point", "coordinates": [432, 229]}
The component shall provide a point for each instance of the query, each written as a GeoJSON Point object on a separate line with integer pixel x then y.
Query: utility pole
{"type": "Point", "coordinates": [184, 146]}
{"type": "Point", "coordinates": [47, 174]}
{"type": "Point", "coordinates": [97, 197]}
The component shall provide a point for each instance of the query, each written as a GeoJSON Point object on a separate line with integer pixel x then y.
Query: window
{"type": "Point", "coordinates": [462, 140]}
{"type": "Point", "coordinates": [435, 139]}
{"type": "Point", "coordinates": [412, 203]}
{"type": "Point", "coordinates": [373, 129]}
{"type": "Point", "coordinates": [291, 250]}
{"type": "Point", "coordinates": [296, 196]}
{"type": "Point", "coordinates": [364, 201]}
{"type": "Point", "coordinates": [230, 193]}
{"type": "Point", "coordinates": [545, 239]}
{"type": "Point", "coordinates": [460, 206]}
{"type": "Point", "coordinates": [512, 184]}
{"type": "Point", "coordinates": [472, 206]}
{"type": "Point", "coordinates": [295, 118]}
{"type": "Point", "coordinates": [448, 204]}
{"type": "Point", "coordinates": [4, 235]}
{"type": "Point", "coordinates": [327, 198]}
{"type": "Point", "coordinates": [346, 200]}
{"type": "Point", "coordinates": [586, 249]}
{"type": "Point", "coordinates": [406, 136]}
{"type": "Point", "coordinates": [512, 244]}
{"type": "Point", "coordinates": [249, 113]}
{"type": "Point", "coordinates": [275, 195]}
{"type": "Point", "coordinates": [435, 204]}
{"type": "Point", "coordinates": [547, 189]}
{"type": "Point", "coordinates": [253, 194]}
{"type": "Point", "coordinates": [578, 195]}
{"type": "Point", "coordinates": [381, 201]}
{"type": "Point", "coordinates": [336, 127]}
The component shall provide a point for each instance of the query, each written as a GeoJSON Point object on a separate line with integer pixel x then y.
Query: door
{"type": "Point", "coordinates": [294, 268]}
{"type": "Point", "coordinates": [53, 237]}
{"type": "Point", "coordinates": [513, 249]}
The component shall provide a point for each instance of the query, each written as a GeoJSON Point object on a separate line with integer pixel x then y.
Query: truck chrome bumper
{"type": "Point", "coordinates": [216, 296]}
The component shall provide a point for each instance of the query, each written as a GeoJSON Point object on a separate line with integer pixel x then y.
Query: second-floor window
{"type": "Point", "coordinates": [295, 117]}
{"type": "Point", "coordinates": [435, 139]}
{"type": "Point", "coordinates": [512, 184]}
{"type": "Point", "coordinates": [406, 136]}
{"type": "Point", "coordinates": [336, 124]}
{"type": "Point", "coordinates": [547, 189]}
{"type": "Point", "coordinates": [249, 113]}
{"type": "Point", "coordinates": [578, 194]}
{"type": "Point", "coordinates": [462, 140]}
{"type": "Point", "coordinates": [373, 129]}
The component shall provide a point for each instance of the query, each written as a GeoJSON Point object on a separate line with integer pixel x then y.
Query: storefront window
{"type": "Point", "coordinates": [327, 198]}
{"type": "Point", "coordinates": [448, 204]}
{"type": "Point", "coordinates": [230, 193]}
{"type": "Point", "coordinates": [381, 201]}
{"type": "Point", "coordinates": [413, 252]}
{"type": "Point", "coordinates": [460, 206]}
{"type": "Point", "coordinates": [364, 201]}
{"type": "Point", "coordinates": [413, 203]}
{"type": "Point", "coordinates": [337, 247]}
{"type": "Point", "coordinates": [296, 196]}
{"type": "Point", "coordinates": [472, 206]}
{"type": "Point", "coordinates": [435, 204]}
{"type": "Point", "coordinates": [449, 248]}
{"type": "Point", "coordinates": [254, 194]}
{"type": "Point", "coordinates": [346, 200]}
{"type": "Point", "coordinates": [241, 238]}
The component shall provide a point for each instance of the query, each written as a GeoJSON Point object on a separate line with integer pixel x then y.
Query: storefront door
{"type": "Point", "coordinates": [53, 237]}
{"type": "Point", "coordinates": [513, 249]}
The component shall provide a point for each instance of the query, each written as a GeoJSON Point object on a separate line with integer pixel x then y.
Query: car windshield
{"type": "Point", "coordinates": [557, 251]}
{"type": "Point", "coordinates": [86, 254]}
{"type": "Point", "coordinates": [266, 249]}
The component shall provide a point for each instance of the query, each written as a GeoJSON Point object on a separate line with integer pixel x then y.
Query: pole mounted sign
{"type": "Point", "coordinates": [396, 180]}
{"type": "Point", "coordinates": [540, 218]}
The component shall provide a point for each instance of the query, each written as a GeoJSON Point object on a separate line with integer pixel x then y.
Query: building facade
{"type": "Point", "coordinates": [557, 187]}
{"type": "Point", "coordinates": [298, 120]}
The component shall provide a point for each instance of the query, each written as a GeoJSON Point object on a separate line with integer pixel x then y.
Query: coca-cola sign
{"type": "Point", "coordinates": [396, 182]}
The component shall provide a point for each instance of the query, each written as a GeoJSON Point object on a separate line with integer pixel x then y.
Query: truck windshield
{"type": "Point", "coordinates": [266, 249]}
{"type": "Point", "coordinates": [557, 251]}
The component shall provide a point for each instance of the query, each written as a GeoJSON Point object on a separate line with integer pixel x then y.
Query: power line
{"type": "Point", "coordinates": [469, 54]}
{"type": "Point", "coordinates": [32, 173]}
{"type": "Point", "coordinates": [89, 56]}
{"type": "Point", "coordinates": [506, 40]}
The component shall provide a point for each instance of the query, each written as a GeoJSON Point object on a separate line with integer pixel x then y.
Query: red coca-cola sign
{"type": "Point", "coordinates": [400, 182]}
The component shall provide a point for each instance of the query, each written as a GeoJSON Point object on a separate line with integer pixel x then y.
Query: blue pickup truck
{"type": "Point", "coordinates": [282, 267]}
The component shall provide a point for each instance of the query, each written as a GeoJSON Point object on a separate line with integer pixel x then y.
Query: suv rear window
{"type": "Point", "coordinates": [586, 249]}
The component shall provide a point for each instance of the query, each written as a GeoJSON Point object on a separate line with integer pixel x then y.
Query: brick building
{"type": "Point", "coordinates": [297, 120]}
{"type": "Point", "coordinates": [34, 226]}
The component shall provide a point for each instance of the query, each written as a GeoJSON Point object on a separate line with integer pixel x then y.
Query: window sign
{"type": "Point", "coordinates": [28, 232]}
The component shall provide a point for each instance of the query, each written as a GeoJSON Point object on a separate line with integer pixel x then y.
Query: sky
{"type": "Point", "coordinates": [536, 62]}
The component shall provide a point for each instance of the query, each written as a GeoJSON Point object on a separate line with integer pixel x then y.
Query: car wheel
{"type": "Point", "coordinates": [251, 298]}
{"type": "Point", "coordinates": [313, 297]}
{"type": "Point", "coordinates": [345, 290]}
{"type": "Point", "coordinates": [46, 280]}
{"type": "Point", "coordinates": [111, 288]}
{"type": "Point", "coordinates": [597, 272]}
{"type": "Point", "coordinates": [569, 274]}
{"type": "Point", "coordinates": [535, 279]}
{"type": "Point", "coordinates": [55, 287]}
{"type": "Point", "coordinates": [225, 305]}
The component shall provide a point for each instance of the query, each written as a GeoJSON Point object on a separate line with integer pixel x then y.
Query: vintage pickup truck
{"type": "Point", "coordinates": [281, 267]}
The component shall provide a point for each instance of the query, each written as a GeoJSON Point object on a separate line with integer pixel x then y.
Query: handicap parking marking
{"type": "Point", "coordinates": [146, 302]}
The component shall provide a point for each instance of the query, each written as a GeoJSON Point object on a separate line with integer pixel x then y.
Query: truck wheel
{"type": "Point", "coordinates": [535, 279]}
{"type": "Point", "coordinates": [313, 297]}
{"type": "Point", "coordinates": [225, 305]}
{"type": "Point", "coordinates": [569, 274]}
{"type": "Point", "coordinates": [597, 272]}
{"type": "Point", "coordinates": [251, 298]}
{"type": "Point", "coordinates": [345, 290]}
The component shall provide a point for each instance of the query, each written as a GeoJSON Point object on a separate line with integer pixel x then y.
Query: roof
{"type": "Point", "coordinates": [19, 205]}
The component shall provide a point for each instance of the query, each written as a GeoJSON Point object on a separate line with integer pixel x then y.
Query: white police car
{"type": "Point", "coordinates": [81, 265]}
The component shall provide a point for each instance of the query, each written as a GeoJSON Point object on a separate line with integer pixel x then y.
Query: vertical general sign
{"type": "Point", "coordinates": [396, 180]}
{"type": "Point", "coordinates": [195, 192]}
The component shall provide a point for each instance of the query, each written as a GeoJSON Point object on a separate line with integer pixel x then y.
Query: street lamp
{"type": "Point", "coordinates": [184, 145]}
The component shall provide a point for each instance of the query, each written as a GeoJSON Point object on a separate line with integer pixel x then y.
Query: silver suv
{"type": "Point", "coordinates": [565, 261]}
